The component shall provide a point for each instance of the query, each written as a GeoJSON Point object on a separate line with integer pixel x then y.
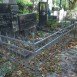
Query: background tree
{"type": "Point", "coordinates": [0, 1]}
{"type": "Point", "coordinates": [25, 6]}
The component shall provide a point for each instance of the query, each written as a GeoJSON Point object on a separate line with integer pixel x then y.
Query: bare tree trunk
{"type": "Point", "coordinates": [60, 3]}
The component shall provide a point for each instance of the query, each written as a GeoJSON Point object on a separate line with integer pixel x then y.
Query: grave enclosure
{"type": "Point", "coordinates": [19, 35]}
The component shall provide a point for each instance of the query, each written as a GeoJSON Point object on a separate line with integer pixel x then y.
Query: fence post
{"type": "Point", "coordinates": [33, 41]}
{"type": "Point", "coordinates": [74, 30]}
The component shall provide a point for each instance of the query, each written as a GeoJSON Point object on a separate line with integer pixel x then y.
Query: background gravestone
{"type": "Point", "coordinates": [10, 1]}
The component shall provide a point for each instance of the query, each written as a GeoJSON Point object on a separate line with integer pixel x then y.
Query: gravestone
{"type": "Point", "coordinates": [11, 9]}
{"type": "Point", "coordinates": [42, 13]}
{"type": "Point", "coordinates": [27, 21]}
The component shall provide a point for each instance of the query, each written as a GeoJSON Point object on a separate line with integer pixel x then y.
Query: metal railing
{"type": "Point", "coordinates": [26, 50]}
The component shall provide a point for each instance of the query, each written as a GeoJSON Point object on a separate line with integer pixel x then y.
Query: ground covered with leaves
{"type": "Point", "coordinates": [63, 64]}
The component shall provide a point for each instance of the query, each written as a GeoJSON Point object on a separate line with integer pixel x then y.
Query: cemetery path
{"type": "Point", "coordinates": [68, 63]}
